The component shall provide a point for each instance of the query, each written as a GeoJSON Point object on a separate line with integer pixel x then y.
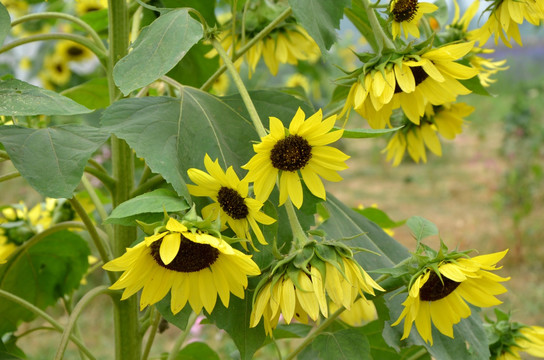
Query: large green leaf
{"type": "Point", "coordinates": [5, 23]}
{"type": "Point", "coordinates": [235, 321]}
{"type": "Point", "coordinates": [93, 94]}
{"type": "Point", "coordinates": [347, 344]}
{"type": "Point", "coordinates": [344, 222]}
{"type": "Point", "coordinates": [180, 319]}
{"type": "Point", "coordinates": [156, 201]}
{"type": "Point", "coordinates": [158, 49]}
{"type": "Point", "coordinates": [52, 159]}
{"type": "Point", "coordinates": [421, 227]}
{"type": "Point", "coordinates": [320, 18]}
{"type": "Point", "coordinates": [18, 98]}
{"type": "Point", "coordinates": [173, 134]}
{"type": "Point", "coordinates": [206, 8]}
{"type": "Point", "coordinates": [40, 273]}
{"type": "Point", "coordinates": [194, 69]}
{"type": "Point", "coordinates": [197, 351]}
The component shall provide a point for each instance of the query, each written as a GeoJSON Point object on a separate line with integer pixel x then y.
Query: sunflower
{"type": "Point", "coordinates": [446, 120]}
{"type": "Point", "coordinates": [442, 296]}
{"type": "Point", "coordinates": [72, 51]}
{"type": "Point", "coordinates": [221, 85]}
{"type": "Point", "coordinates": [299, 295]}
{"type": "Point", "coordinates": [361, 311]}
{"type": "Point", "coordinates": [302, 149]}
{"type": "Point", "coordinates": [86, 6]}
{"type": "Point", "coordinates": [487, 67]}
{"type": "Point", "coordinates": [529, 339]}
{"type": "Point", "coordinates": [194, 265]}
{"type": "Point", "coordinates": [406, 15]}
{"type": "Point", "coordinates": [298, 80]}
{"type": "Point", "coordinates": [56, 69]}
{"type": "Point", "coordinates": [504, 18]}
{"type": "Point", "coordinates": [232, 204]}
{"type": "Point", "coordinates": [411, 83]}
{"type": "Point", "coordinates": [6, 247]}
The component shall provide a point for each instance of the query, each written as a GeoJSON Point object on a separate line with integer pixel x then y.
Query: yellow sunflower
{"type": "Point", "coordinates": [72, 51]}
{"type": "Point", "coordinates": [232, 204]}
{"type": "Point", "coordinates": [56, 69]}
{"type": "Point", "coordinates": [6, 247]}
{"type": "Point", "coordinates": [486, 67]}
{"type": "Point", "coordinates": [298, 80]}
{"type": "Point", "coordinates": [302, 148]}
{"type": "Point", "coordinates": [406, 15]}
{"type": "Point", "coordinates": [86, 6]}
{"type": "Point", "coordinates": [362, 311]}
{"type": "Point", "coordinates": [504, 19]}
{"type": "Point", "coordinates": [194, 265]}
{"type": "Point", "coordinates": [301, 296]}
{"type": "Point", "coordinates": [442, 298]}
{"type": "Point", "coordinates": [529, 339]}
{"type": "Point", "coordinates": [411, 83]}
{"type": "Point", "coordinates": [221, 85]}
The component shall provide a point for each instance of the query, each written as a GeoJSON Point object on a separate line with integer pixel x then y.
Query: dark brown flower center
{"type": "Point", "coordinates": [191, 257]}
{"type": "Point", "coordinates": [419, 76]}
{"type": "Point", "coordinates": [291, 153]}
{"type": "Point", "coordinates": [59, 67]}
{"type": "Point", "coordinates": [405, 10]}
{"type": "Point", "coordinates": [232, 203]}
{"type": "Point", "coordinates": [436, 289]}
{"type": "Point", "coordinates": [75, 51]}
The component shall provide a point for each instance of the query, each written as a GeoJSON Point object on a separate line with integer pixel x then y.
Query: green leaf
{"type": "Point", "coordinates": [156, 201]}
{"type": "Point", "coordinates": [157, 50]}
{"type": "Point", "coordinates": [18, 98]}
{"type": "Point", "coordinates": [366, 133]}
{"type": "Point", "coordinates": [5, 23]}
{"type": "Point", "coordinates": [93, 94]}
{"type": "Point", "coordinates": [52, 160]}
{"type": "Point", "coordinates": [347, 344]}
{"type": "Point", "coordinates": [194, 69]}
{"type": "Point", "coordinates": [292, 331]}
{"type": "Point", "coordinates": [320, 19]}
{"type": "Point", "coordinates": [206, 8]}
{"type": "Point", "coordinates": [41, 272]}
{"type": "Point", "coordinates": [346, 223]}
{"type": "Point", "coordinates": [98, 19]}
{"type": "Point", "coordinates": [197, 351]}
{"type": "Point", "coordinates": [235, 321]}
{"type": "Point", "coordinates": [474, 85]}
{"type": "Point", "coordinates": [379, 217]}
{"type": "Point", "coordinates": [173, 135]}
{"type": "Point", "coordinates": [421, 227]}
{"type": "Point", "coordinates": [180, 319]}
{"type": "Point", "coordinates": [358, 17]}
{"type": "Point", "coordinates": [443, 13]}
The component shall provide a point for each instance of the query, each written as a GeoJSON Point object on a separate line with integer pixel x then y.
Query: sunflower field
{"type": "Point", "coordinates": [197, 179]}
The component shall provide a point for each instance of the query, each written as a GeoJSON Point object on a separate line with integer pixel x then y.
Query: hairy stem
{"type": "Point", "coordinates": [384, 42]}
{"type": "Point", "coordinates": [9, 176]}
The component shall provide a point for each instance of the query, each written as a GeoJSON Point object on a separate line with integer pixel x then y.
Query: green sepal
{"type": "Point", "coordinates": [303, 257]}
{"type": "Point", "coordinates": [153, 228]}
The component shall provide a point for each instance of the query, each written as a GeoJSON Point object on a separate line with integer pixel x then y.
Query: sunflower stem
{"type": "Point", "coordinates": [298, 233]}
{"type": "Point", "coordinates": [9, 176]}
{"type": "Point", "coordinates": [257, 123]}
{"type": "Point", "coordinates": [315, 333]}
{"type": "Point", "coordinates": [152, 333]}
{"type": "Point", "coordinates": [281, 17]}
{"type": "Point", "coordinates": [181, 339]}
{"type": "Point", "coordinates": [384, 42]}
{"type": "Point", "coordinates": [107, 180]}
{"type": "Point", "coordinates": [46, 317]}
{"type": "Point", "coordinates": [127, 332]}
{"type": "Point", "coordinates": [97, 204]}
{"type": "Point", "coordinates": [75, 315]}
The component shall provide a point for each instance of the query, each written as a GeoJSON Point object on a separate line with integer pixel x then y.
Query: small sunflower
{"type": "Point", "coordinates": [486, 67]}
{"type": "Point", "coordinates": [406, 15]}
{"type": "Point", "coordinates": [362, 311]}
{"type": "Point", "coordinates": [298, 80]}
{"type": "Point", "coordinates": [72, 51]}
{"type": "Point", "coordinates": [529, 339]}
{"type": "Point", "coordinates": [6, 247]}
{"type": "Point", "coordinates": [194, 265]}
{"type": "Point", "coordinates": [302, 148]}
{"type": "Point", "coordinates": [441, 296]}
{"type": "Point", "coordinates": [221, 85]}
{"type": "Point", "coordinates": [86, 6]}
{"type": "Point", "coordinates": [299, 295]}
{"type": "Point", "coordinates": [56, 69]}
{"type": "Point", "coordinates": [232, 204]}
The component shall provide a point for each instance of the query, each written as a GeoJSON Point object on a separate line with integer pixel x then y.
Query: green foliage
{"type": "Point", "coordinates": [52, 160]}
{"type": "Point", "coordinates": [345, 344]}
{"type": "Point", "coordinates": [154, 202]}
{"type": "Point", "coordinates": [93, 94]}
{"type": "Point", "coordinates": [194, 69]}
{"type": "Point", "coordinates": [41, 272]}
{"type": "Point", "coordinates": [379, 217]}
{"type": "Point", "coordinates": [358, 17]}
{"type": "Point", "coordinates": [157, 50]}
{"type": "Point", "coordinates": [18, 98]}
{"type": "Point", "coordinates": [320, 19]}
{"type": "Point", "coordinates": [206, 8]}
{"type": "Point", "coordinates": [5, 23]}
{"type": "Point", "coordinates": [366, 133]}
{"type": "Point", "coordinates": [180, 319]}
{"type": "Point", "coordinates": [197, 351]}
{"type": "Point", "coordinates": [421, 227]}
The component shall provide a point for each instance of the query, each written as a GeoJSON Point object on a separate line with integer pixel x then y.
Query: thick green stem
{"type": "Point", "coordinates": [149, 184]}
{"type": "Point", "coordinates": [56, 15]}
{"type": "Point", "coordinates": [74, 316]}
{"type": "Point", "coordinates": [281, 17]}
{"type": "Point", "coordinates": [298, 233]}
{"type": "Point", "coordinates": [97, 204]}
{"type": "Point", "coordinates": [107, 180]}
{"type": "Point", "coordinates": [381, 37]}
{"type": "Point", "coordinates": [57, 36]}
{"type": "Point", "coordinates": [241, 88]}
{"type": "Point", "coordinates": [127, 332]}
{"type": "Point", "coordinates": [47, 318]}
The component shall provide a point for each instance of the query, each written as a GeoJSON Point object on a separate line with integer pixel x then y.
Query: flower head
{"type": "Point", "coordinates": [192, 264]}
{"type": "Point", "coordinates": [231, 202]}
{"type": "Point", "coordinates": [86, 6]}
{"type": "Point", "coordinates": [406, 15]}
{"type": "Point", "coordinates": [72, 51]}
{"type": "Point", "coordinates": [56, 69]}
{"type": "Point", "coordinates": [441, 295]}
{"type": "Point", "coordinates": [362, 310]}
{"type": "Point", "coordinates": [299, 149]}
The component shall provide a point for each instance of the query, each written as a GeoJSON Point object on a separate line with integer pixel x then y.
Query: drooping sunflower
{"type": "Point", "coordinates": [362, 311]}
{"type": "Point", "coordinates": [301, 296]}
{"type": "Point", "coordinates": [299, 149]}
{"type": "Point", "coordinates": [446, 120]}
{"type": "Point", "coordinates": [72, 51]}
{"type": "Point", "coordinates": [529, 339]}
{"type": "Point", "coordinates": [192, 264]}
{"type": "Point", "coordinates": [406, 15]}
{"type": "Point", "coordinates": [232, 204]}
{"type": "Point", "coordinates": [504, 18]}
{"type": "Point", "coordinates": [442, 297]}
